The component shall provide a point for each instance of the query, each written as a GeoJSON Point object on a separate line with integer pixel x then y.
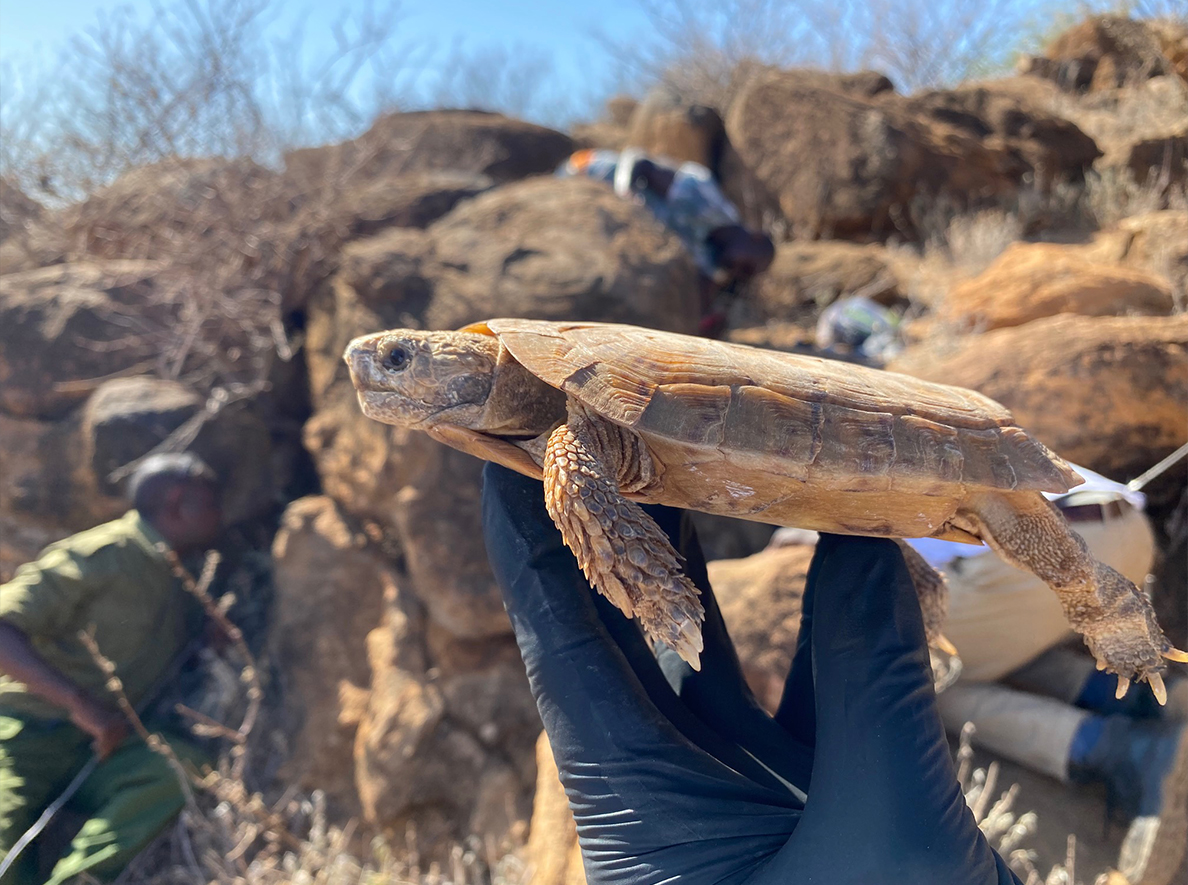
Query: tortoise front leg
{"type": "Point", "coordinates": [1116, 620]}
{"type": "Point", "coordinates": [619, 547]}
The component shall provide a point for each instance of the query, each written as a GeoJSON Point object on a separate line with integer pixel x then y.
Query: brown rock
{"type": "Point", "coordinates": [760, 597]}
{"type": "Point", "coordinates": [1162, 159]}
{"type": "Point", "coordinates": [469, 142]}
{"type": "Point", "coordinates": [64, 329]}
{"type": "Point", "coordinates": [447, 748]}
{"type": "Point", "coordinates": [549, 248]}
{"type": "Point", "coordinates": [1033, 280]}
{"type": "Point", "coordinates": [553, 856]}
{"type": "Point", "coordinates": [126, 418]}
{"type": "Point", "coordinates": [42, 499]}
{"type": "Point", "coordinates": [1048, 147]}
{"type": "Point", "coordinates": [1107, 51]}
{"type": "Point", "coordinates": [665, 124]}
{"type": "Point", "coordinates": [330, 585]}
{"type": "Point", "coordinates": [1154, 242]}
{"type": "Point", "coordinates": [1107, 392]}
{"type": "Point", "coordinates": [807, 276]}
{"type": "Point", "coordinates": [847, 167]}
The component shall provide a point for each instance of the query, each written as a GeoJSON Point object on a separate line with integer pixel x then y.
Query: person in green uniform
{"type": "Point", "coordinates": [115, 582]}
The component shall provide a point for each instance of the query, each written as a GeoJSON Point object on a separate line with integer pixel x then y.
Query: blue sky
{"type": "Point", "coordinates": [563, 31]}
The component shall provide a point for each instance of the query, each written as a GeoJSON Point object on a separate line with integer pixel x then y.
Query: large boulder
{"type": "Point", "coordinates": [64, 329]}
{"type": "Point", "coordinates": [1048, 147]}
{"type": "Point", "coordinates": [327, 572]}
{"type": "Point", "coordinates": [1107, 392]}
{"type": "Point", "coordinates": [446, 740]}
{"type": "Point", "coordinates": [667, 124]}
{"type": "Point", "coordinates": [548, 248]}
{"type": "Point", "coordinates": [126, 418]}
{"type": "Point", "coordinates": [42, 496]}
{"type": "Point", "coordinates": [1107, 51]}
{"type": "Point", "coordinates": [469, 142]}
{"type": "Point", "coordinates": [1033, 280]}
{"type": "Point", "coordinates": [1154, 242]}
{"type": "Point", "coordinates": [847, 167]}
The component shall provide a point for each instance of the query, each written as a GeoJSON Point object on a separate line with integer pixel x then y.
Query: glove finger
{"type": "Point", "coordinates": [718, 693]}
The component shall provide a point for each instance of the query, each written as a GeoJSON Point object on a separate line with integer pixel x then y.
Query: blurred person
{"type": "Point", "coordinates": [679, 775]}
{"type": "Point", "coordinates": [687, 200]}
{"type": "Point", "coordinates": [55, 709]}
{"type": "Point", "coordinates": [861, 326]}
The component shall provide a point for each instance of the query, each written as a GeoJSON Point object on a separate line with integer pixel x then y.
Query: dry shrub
{"type": "Point", "coordinates": [1003, 827]}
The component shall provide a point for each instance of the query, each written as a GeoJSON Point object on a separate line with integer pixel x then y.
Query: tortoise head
{"type": "Point", "coordinates": [414, 378]}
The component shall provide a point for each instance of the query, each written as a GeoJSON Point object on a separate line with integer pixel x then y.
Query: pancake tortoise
{"type": "Point", "coordinates": [609, 415]}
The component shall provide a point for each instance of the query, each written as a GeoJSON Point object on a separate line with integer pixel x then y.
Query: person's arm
{"type": "Point", "coordinates": [20, 661]}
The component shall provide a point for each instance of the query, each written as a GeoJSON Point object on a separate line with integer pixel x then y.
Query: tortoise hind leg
{"type": "Point", "coordinates": [1116, 620]}
{"type": "Point", "coordinates": [619, 547]}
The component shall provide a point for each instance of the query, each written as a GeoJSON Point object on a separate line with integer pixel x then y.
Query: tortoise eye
{"type": "Point", "coordinates": [396, 359]}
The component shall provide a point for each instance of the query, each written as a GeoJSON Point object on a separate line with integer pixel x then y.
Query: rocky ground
{"type": "Point", "coordinates": [1033, 229]}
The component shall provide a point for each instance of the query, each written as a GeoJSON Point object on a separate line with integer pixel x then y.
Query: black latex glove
{"type": "Point", "coordinates": [674, 774]}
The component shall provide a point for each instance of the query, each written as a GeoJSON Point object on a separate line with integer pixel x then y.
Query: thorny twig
{"type": "Point", "coordinates": [250, 673]}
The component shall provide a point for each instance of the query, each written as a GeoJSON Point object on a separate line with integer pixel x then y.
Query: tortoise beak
{"type": "Point", "coordinates": [361, 357]}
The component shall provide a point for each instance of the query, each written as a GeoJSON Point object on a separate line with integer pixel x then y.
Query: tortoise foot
{"type": "Point", "coordinates": [1124, 636]}
{"type": "Point", "coordinates": [622, 551]}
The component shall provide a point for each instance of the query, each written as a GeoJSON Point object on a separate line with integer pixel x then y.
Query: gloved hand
{"type": "Point", "coordinates": [674, 774]}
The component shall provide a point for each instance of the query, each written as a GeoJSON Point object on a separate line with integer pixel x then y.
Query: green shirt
{"type": "Point", "coordinates": [111, 578]}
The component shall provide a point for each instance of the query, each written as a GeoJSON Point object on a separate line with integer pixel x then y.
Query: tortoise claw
{"type": "Point", "coordinates": [1157, 688]}
{"type": "Point", "coordinates": [942, 642]}
{"type": "Point", "coordinates": [1174, 654]}
{"type": "Point", "coordinates": [1123, 687]}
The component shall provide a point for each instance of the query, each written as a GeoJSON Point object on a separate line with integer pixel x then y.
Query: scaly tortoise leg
{"type": "Point", "coordinates": [933, 593]}
{"type": "Point", "coordinates": [619, 547]}
{"type": "Point", "coordinates": [1116, 620]}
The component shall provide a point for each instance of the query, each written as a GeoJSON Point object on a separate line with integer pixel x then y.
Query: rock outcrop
{"type": "Point", "coordinates": [1107, 392]}
{"type": "Point", "coordinates": [327, 571]}
{"type": "Point", "coordinates": [1033, 280]}
{"type": "Point", "coordinates": [1107, 51]}
{"type": "Point", "coordinates": [461, 141]}
{"type": "Point", "coordinates": [847, 167]}
{"type": "Point", "coordinates": [66, 328]}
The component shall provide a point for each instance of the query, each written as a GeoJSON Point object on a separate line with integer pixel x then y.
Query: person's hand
{"type": "Point", "coordinates": [108, 728]}
{"type": "Point", "coordinates": [677, 774]}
